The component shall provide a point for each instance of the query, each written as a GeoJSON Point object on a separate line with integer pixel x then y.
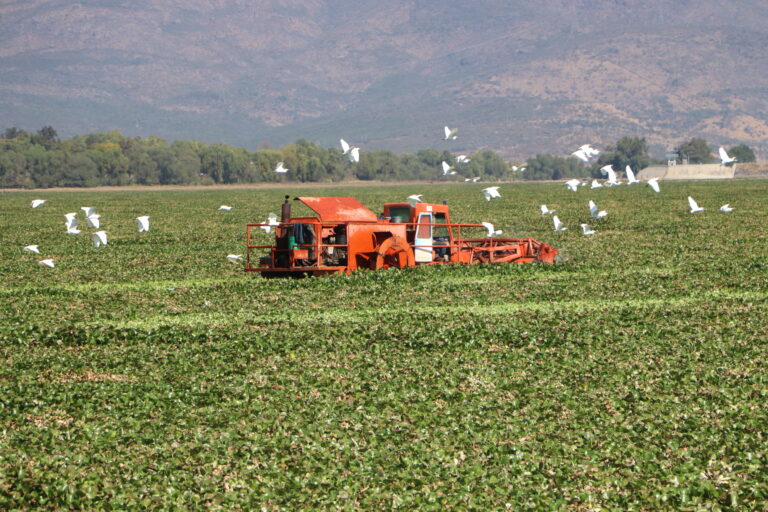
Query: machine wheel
{"type": "Point", "coordinates": [393, 252]}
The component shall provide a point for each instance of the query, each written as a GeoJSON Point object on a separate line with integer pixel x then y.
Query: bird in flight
{"type": "Point", "coordinates": [37, 202]}
{"type": "Point", "coordinates": [586, 230]}
{"type": "Point", "coordinates": [559, 227]}
{"type": "Point", "coordinates": [271, 221]}
{"type": "Point", "coordinates": [724, 158]}
{"type": "Point", "coordinates": [462, 159]}
{"type": "Point", "coordinates": [596, 184]}
{"type": "Point", "coordinates": [31, 248]}
{"type": "Point", "coordinates": [593, 213]}
{"type": "Point", "coordinates": [608, 169]}
{"type": "Point", "coordinates": [545, 210]}
{"type": "Point", "coordinates": [654, 184]}
{"type": "Point", "coordinates": [491, 230]}
{"type": "Point", "coordinates": [71, 223]}
{"type": "Point", "coordinates": [352, 152]}
{"type": "Point", "coordinates": [694, 205]}
{"type": "Point", "coordinates": [573, 184]}
{"type": "Point", "coordinates": [726, 208]}
{"type": "Point", "coordinates": [225, 208]}
{"type": "Point", "coordinates": [413, 199]}
{"type": "Point", "coordinates": [234, 258]}
{"type": "Point", "coordinates": [491, 192]}
{"type": "Point", "coordinates": [143, 223]}
{"type": "Point", "coordinates": [447, 169]}
{"type": "Point", "coordinates": [450, 133]}
{"type": "Point", "coordinates": [280, 169]}
{"type": "Point", "coordinates": [46, 263]}
{"type": "Point", "coordinates": [631, 180]}
{"type": "Point", "coordinates": [99, 238]}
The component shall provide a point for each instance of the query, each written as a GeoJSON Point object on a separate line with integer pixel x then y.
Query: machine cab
{"type": "Point", "coordinates": [427, 230]}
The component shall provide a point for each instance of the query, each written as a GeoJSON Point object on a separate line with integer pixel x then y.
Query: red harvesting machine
{"type": "Point", "coordinates": [344, 236]}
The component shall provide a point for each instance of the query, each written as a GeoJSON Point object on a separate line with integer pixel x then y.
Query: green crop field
{"type": "Point", "coordinates": [153, 374]}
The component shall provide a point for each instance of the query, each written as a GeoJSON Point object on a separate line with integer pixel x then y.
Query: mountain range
{"type": "Point", "coordinates": [516, 77]}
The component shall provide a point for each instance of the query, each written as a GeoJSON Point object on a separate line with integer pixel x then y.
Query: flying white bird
{"type": "Point", "coordinates": [352, 152]}
{"type": "Point", "coordinates": [593, 213]}
{"type": "Point", "coordinates": [589, 150]}
{"type": "Point", "coordinates": [225, 208]}
{"type": "Point", "coordinates": [724, 158]}
{"type": "Point", "coordinates": [545, 210]}
{"type": "Point", "coordinates": [93, 221]}
{"type": "Point", "coordinates": [608, 169]}
{"type": "Point", "coordinates": [491, 192]}
{"type": "Point", "coordinates": [450, 133]}
{"type": "Point", "coordinates": [71, 223]}
{"type": "Point", "coordinates": [726, 208]}
{"type": "Point", "coordinates": [518, 169]}
{"type": "Point", "coordinates": [143, 223]}
{"type": "Point", "coordinates": [581, 155]}
{"type": "Point", "coordinates": [586, 230]}
{"type": "Point", "coordinates": [234, 258]}
{"type": "Point", "coordinates": [654, 184]}
{"type": "Point", "coordinates": [447, 169]}
{"type": "Point", "coordinates": [473, 180]}
{"type": "Point", "coordinates": [31, 248]}
{"type": "Point", "coordinates": [596, 184]}
{"type": "Point", "coordinates": [694, 205]}
{"type": "Point", "coordinates": [37, 202]}
{"type": "Point", "coordinates": [89, 210]}
{"type": "Point", "coordinates": [558, 225]}
{"type": "Point", "coordinates": [491, 230]}
{"type": "Point", "coordinates": [413, 199]}
{"type": "Point", "coordinates": [573, 184]}
{"type": "Point", "coordinates": [280, 169]}
{"type": "Point", "coordinates": [99, 238]}
{"type": "Point", "coordinates": [631, 180]}
{"type": "Point", "coordinates": [46, 263]}
{"type": "Point", "coordinates": [462, 159]}
{"type": "Point", "coordinates": [271, 221]}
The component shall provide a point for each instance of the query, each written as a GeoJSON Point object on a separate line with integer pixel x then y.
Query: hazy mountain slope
{"type": "Point", "coordinates": [517, 77]}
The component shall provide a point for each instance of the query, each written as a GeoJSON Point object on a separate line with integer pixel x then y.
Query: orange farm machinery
{"type": "Point", "coordinates": [344, 235]}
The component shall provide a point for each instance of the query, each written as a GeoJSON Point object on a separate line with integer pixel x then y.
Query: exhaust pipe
{"type": "Point", "coordinates": [285, 213]}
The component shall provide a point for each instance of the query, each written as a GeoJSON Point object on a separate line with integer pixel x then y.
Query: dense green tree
{"type": "Point", "coordinates": [549, 167]}
{"type": "Point", "coordinates": [696, 150]}
{"type": "Point", "coordinates": [742, 153]}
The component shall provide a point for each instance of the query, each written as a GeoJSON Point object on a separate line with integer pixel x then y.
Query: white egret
{"type": "Point", "coordinates": [413, 199]}
{"type": "Point", "coordinates": [271, 221]}
{"type": "Point", "coordinates": [559, 227]}
{"type": "Point", "coordinates": [589, 150]}
{"type": "Point", "coordinates": [491, 229]}
{"type": "Point", "coordinates": [450, 133]}
{"type": "Point", "coordinates": [631, 180]}
{"type": "Point", "coordinates": [491, 192]}
{"type": "Point", "coordinates": [586, 230]}
{"type": "Point", "coordinates": [581, 155]}
{"type": "Point", "coordinates": [37, 202]}
{"type": "Point", "coordinates": [724, 158]}
{"type": "Point", "coordinates": [234, 258]}
{"type": "Point", "coordinates": [93, 221]}
{"type": "Point", "coordinates": [573, 184]}
{"type": "Point", "coordinates": [726, 208]}
{"type": "Point", "coordinates": [31, 248]}
{"type": "Point", "coordinates": [225, 208]}
{"type": "Point", "coordinates": [71, 223]}
{"type": "Point", "coordinates": [654, 184]}
{"type": "Point", "coordinates": [99, 238]}
{"type": "Point", "coordinates": [596, 184]}
{"type": "Point", "coordinates": [473, 180]}
{"type": "Point", "coordinates": [46, 263]}
{"type": "Point", "coordinates": [89, 210]}
{"type": "Point", "coordinates": [593, 213]}
{"type": "Point", "coordinates": [545, 210]}
{"type": "Point", "coordinates": [143, 223]}
{"type": "Point", "coordinates": [694, 205]}
{"type": "Point", "coordinates": [462, 159]}
{"type": "Point", "coordinates": [608, 169]}
{"type": "Point", "coordinates": [280, 169]}
{"type": "Point", "coordinates": [352, 152]}
{"type": "Point", "coordinates": [447, 169]}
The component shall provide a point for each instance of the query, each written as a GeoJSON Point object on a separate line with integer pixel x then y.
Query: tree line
{"type": "Point", "coordinates": [42, 160]}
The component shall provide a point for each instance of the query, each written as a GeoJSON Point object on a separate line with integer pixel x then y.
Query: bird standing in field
{"type": "Point", "coordinates": [694, 205]}
{"type": "Point", "coordinates": [143, 223]}
{"type": "Point", "coordinates": [37, 202]}
{"type": "Point", "coordinates": [491, 229]}
{"type": "Point", "coordinates": [491, 192]}
{"type": "Point", "coordinates": [654, 184]}
{"type": "Point", "coordinates": [450, 133]}
{"type": "Point", "coordinates": [559, 226]}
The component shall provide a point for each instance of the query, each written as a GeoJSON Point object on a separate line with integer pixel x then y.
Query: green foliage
{"type": "Point", "coordinates": [696, 150]}
{"type": "Point", "coordinates": [42, 160]}
{"type": "Point", "coordinates": [742, 153]}
{"type": "Point", "coordinates": [632, 151]}
{"type": "Point", "coordinates": [548, 167]}
{"type": "Point", "coordinates": [151, 374]}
